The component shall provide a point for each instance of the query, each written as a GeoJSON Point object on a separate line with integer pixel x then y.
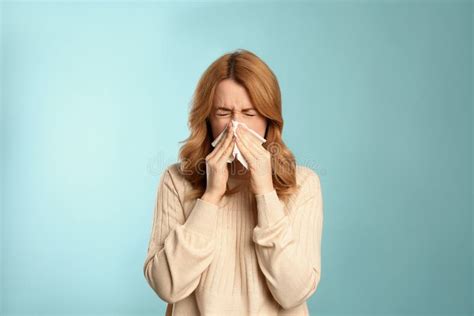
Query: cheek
{"type": "Point", "coordinates": [218, 127]}
{"type": "Point", "coordinates": [258, 126]}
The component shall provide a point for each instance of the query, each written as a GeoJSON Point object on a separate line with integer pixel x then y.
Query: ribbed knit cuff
{"type": "Point", "coordinates": [203, 218]}
{"type": "Point", "coordinates": [269, 208]}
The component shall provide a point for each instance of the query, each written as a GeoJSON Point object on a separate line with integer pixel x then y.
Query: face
{"type": "Point", "coordinates": [231, 102]}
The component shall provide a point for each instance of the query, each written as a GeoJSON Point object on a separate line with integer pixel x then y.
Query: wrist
{"type": "Point", "coordinates": [263, 191]}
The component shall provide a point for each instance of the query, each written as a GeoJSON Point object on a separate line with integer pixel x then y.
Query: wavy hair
{"type": "Point", "coordinates": [248, 70]}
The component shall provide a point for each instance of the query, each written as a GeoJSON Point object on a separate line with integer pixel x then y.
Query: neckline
{"type": "Point", "coordinates": [234, 182]}
{"type": "Point", "coordinates": [243, 189]}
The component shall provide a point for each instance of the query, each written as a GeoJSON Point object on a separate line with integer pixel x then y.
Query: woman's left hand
{"type": "Point", "coordinates": [258, 160]}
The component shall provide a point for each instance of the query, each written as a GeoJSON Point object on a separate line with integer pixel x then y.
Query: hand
{"type": "Point", "coordinates": [258, 159]}
{"type": "Point", "coordinates": [217, 172]}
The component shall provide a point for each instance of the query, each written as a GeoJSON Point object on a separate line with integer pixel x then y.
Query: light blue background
{"type": "Point", "coordinates": [377, 99]}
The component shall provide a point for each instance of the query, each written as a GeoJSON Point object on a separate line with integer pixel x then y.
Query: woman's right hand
{"type": "Point", "coordinates": [217, 173]}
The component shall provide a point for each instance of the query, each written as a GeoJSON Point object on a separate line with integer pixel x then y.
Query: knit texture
{"type": "Point", "coordinates": [248, 255]}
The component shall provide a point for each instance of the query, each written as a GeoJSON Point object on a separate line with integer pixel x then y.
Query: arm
{"type": "Point", "coordinates": [179, 250]}
{"type": "Point", "coordinates": [288, 247]}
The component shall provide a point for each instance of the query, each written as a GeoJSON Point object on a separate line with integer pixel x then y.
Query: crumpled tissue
{"type": "Point", "coordinates": [236, 154]}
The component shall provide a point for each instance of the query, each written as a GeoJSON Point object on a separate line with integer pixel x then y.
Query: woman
{"type": "Point", "coordinates": [227, 240]}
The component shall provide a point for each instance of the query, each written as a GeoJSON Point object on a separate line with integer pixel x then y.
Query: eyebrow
{"type": "Point", "coordinates": [227, 109]}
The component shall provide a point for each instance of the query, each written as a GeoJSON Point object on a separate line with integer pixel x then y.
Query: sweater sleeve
{"type": "Point", "coordinates": [288, 247]}
{"type": "Point", "coordinates": [179, 250]}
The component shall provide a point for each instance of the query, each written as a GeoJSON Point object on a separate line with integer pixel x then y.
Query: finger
{"type": "Point", "coordinates": [253, 141]}
{"type": "Point", "coordinates": [250, 143]}
{"type": "Point", "coordinates": [221, 142]}
{"type": "Point", "coordinates": [225, 147]}
{"type": "Point", "coordinates": [226, 153]}
{"type": "Point", "coordinates": [248, 155]}
{"type": "Point", "coordinates": [225, 143]}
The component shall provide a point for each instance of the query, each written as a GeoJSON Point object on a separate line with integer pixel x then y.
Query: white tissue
{"type": "Point", "coordinates": [236, 152]}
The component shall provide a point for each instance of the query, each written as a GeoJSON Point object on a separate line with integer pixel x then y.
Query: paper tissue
{"type": "Point", "coordinates": [236, 154]}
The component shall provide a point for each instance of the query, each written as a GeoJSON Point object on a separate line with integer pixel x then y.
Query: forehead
{"type": "Point", "coordinates": [231, 95]}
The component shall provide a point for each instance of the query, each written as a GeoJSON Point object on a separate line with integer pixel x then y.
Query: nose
{"type": "Point", "coordinates": [236, 116]}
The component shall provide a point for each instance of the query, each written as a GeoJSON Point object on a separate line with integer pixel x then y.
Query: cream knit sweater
{"type": "Point", "coordinates": [245, 256]}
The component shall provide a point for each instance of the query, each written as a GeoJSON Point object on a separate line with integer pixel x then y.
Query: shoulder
{"type": "Point", "coordinates": [307, 177]}
{"type": "Point", "coordinates": [173, 177]}
{"type": "Point", "coordinates": [308, 182]}
{"type": "Point", "coordinates": [174, 170]}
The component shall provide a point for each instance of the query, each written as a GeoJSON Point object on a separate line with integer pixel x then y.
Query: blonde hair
{"type": "Point", "coordinates": [248, 70]}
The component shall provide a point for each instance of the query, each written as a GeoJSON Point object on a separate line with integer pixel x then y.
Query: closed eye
{"type": "Point", "coordinates": [225, 114]}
